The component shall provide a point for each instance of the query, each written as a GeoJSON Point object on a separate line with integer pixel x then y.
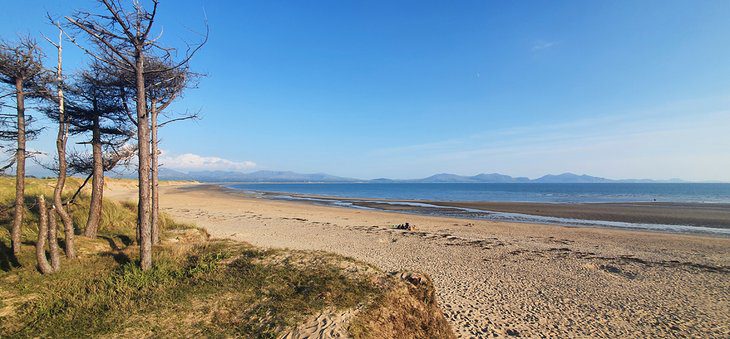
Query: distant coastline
{"type": "Point", "coordinates": [293, 177]}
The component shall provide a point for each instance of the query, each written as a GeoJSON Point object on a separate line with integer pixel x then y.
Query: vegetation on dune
{"type": "Point", "coordinates": [118, 219]}
{"type": "Point", "coordinates": [216, 288]}
{"type": "Point", "coordinates": [222, 287]}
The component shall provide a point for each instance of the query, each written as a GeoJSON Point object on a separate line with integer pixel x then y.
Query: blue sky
{"type": "Point", "coordinates": [403, 89]}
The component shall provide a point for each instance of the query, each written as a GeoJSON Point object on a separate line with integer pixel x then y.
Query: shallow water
{"type": "Point", "coordinates": [562, 193]}
{"type": "Point", "coordinates": [550, 193]}
{"type": "Point", "coordinates": [471, 213]}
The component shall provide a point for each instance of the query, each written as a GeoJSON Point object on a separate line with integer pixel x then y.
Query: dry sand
{"type": "Point", "coordinates": [496, 278]}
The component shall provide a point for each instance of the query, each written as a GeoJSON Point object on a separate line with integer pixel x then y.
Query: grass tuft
{"type": "Point", "coordinates": [220, 288]}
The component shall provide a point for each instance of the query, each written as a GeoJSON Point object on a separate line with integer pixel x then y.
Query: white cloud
{"type": "Point", "coordinates": [542, 45]}
{"type": "Point", "coordinates": [194, 162]}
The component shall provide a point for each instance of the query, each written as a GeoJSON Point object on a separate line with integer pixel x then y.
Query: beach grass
{"type": "Point", "coordinates": [219, 288]}
{"type": "Point", "coordinates": [118, 219]}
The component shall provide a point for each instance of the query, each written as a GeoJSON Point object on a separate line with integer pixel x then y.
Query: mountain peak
{"type": "Point", "coordinates": [263, 176]}
{"type": "Point", "coordinates": [568, 177]}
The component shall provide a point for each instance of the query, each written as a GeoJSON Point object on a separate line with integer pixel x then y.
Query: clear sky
{"type": "Point", "coordinates": [404, 89]}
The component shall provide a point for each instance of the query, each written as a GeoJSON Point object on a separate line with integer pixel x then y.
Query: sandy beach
{"type": "Point", "coordinates": [498, 278]}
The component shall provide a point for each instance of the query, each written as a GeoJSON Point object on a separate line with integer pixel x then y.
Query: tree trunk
{"type": "Point", "coordinates": [53, 240]}
{"type": "Point", "coordinates": [143, 140]}
{"type": "Point", "coordinates": [155, 180]}
{"type": "Point", "coordinates": [40, 245]}
{"type": "Point", "coordinates": [61, 140]}
{"type": "Point", "coordinates": [97, 182]}
{"type": "Point", "coordinates": [20, 169]}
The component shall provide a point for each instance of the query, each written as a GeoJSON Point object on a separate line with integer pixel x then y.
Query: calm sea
{"type": "Point", "coordinates": [562, 193]}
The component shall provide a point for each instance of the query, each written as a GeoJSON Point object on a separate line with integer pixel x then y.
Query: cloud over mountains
{"type": "Point", "coordinates": [195, 162]}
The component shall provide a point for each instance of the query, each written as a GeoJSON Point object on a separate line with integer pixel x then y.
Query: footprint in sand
{"type": "Point", "coordinates": [328, 324]}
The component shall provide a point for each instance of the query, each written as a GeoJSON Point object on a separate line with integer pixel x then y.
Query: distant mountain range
{"type": "Point", "coordinates": [258, 176]}
{"type": "Point", "coordinates": [292, 177]}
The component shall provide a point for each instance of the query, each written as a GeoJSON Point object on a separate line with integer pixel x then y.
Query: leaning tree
{"type": "Point", "coordinates": [56, 112]}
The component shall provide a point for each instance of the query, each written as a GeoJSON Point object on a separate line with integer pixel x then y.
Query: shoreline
{"type": "Point", "coordinates": [672, 217]}
{"type": "Point", "coordinates": [494, 278]}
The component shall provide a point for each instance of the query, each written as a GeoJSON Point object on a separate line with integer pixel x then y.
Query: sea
{"type": "Point", "coordinates": [403, 193]}
{"type": "Point", "coordinates": [517, 192]}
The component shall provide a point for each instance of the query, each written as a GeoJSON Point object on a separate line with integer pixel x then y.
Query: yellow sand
{"type": "Point", "coordinates": [496, 277]}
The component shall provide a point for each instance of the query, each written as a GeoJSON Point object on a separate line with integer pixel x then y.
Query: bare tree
{"type": "Point", "coordinates": [40, 245]}
{"type": "Point", "coordinates": [21, 67]}
{"type": "Point", "coordinates": [122, 38]}
{"type": "Point", "coordinates": [61, 140]}
{"type": "Point", "coordinates": [163, 88]}
{"type": "Point", "coordinates": [53, 239]}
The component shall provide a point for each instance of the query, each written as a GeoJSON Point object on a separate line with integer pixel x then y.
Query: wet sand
{"type": "Point", "coordinates": [499, 278]}
{"type": "Point", "coordinates": [700, 215]}
{"type": "Point", "coordinates": [693, 214]}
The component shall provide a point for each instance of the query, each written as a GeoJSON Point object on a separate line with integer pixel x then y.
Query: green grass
{"type": "Point", "coordinates": [216, 289]}
{"type": "Point", "coordinates": [219, 289]}
{"type": "Point", "coordinates": [118, 219]}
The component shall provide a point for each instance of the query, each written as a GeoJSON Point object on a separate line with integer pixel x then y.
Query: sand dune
{"type": "Point", "coordinates": [500, 278]}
